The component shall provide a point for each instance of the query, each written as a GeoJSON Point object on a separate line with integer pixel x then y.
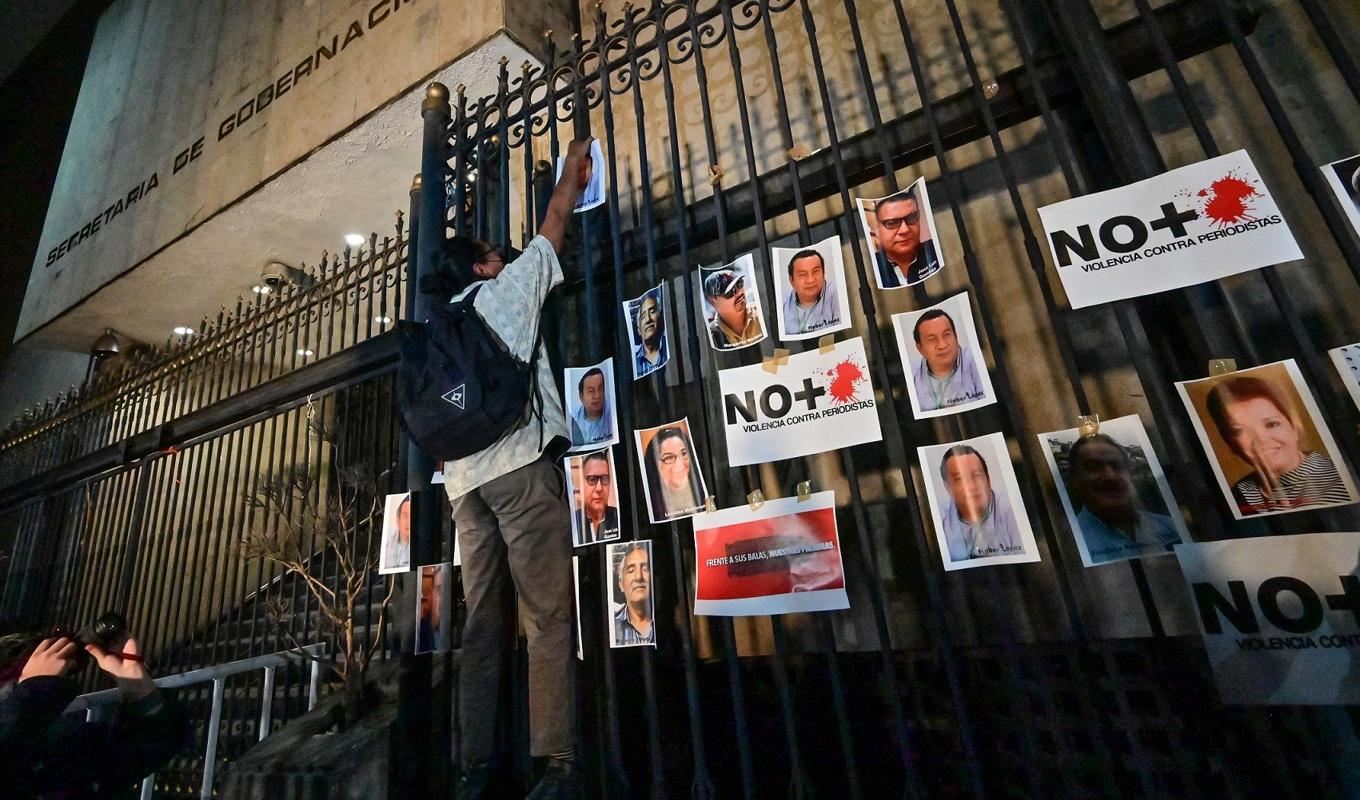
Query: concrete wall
{"type": "Point", "coordinates": [187, 107]}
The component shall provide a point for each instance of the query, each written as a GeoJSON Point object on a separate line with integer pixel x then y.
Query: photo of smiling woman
{"type": "Point", "coordinates": [1266, 441]}
{"type": "Point", "coordinates": [670, 470]}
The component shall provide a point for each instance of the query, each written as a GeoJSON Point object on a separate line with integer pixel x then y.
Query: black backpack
{"type": "Point", "coordinates": [460, 389]}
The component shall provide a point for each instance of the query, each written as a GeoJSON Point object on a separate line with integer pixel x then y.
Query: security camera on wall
{"type": "Point", "coordinates": [275, 275]}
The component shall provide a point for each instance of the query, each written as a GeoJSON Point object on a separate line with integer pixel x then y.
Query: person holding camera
{"type": "Point", "coordinates": [46, 755]}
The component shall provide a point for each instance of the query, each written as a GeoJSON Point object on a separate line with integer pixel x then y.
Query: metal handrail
{"type": "Point", "coordinates": [218, 674]}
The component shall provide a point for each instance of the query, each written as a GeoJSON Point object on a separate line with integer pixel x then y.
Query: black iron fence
{"type": "Point", "coordinates": [736, 127]}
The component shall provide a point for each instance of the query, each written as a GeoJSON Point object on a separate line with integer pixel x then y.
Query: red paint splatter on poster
{"type": "Point", "coordinates": [845, 379]}
{"type": "Point", "coordinates": [1227, 200]}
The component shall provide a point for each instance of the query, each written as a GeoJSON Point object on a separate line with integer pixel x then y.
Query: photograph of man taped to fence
{"type": "Point", "coordinates": [975, 503]}
{"type": "Point", "coordinates": [434, 602]}
{"type": "Point", "coordinates": [396, 534]}
{"type": "Point", "coordinates": [1117, 500]}
{"type": "Point", "coordinates": [1344, 178]}
{"type": "Point", "coordinates": [594, 496]}
{"type": "Point", "coordinates": [1266, 440]}
{"type": "Point", "coordinates": [671, 477]}
{"type": "Point", "coordinates": [732, 304]}
{"type": "Point", "coordinates": [629, 596]}
{"type": "Point", "coordinates": [589, 393]}
{"type": "Point", "coordinates": [781, 558]}
{"type": "Point", "coordinates": [945, 370]}
{"type": "Point", "coordinates": [900, 232]}
{"type": "Point", "coordinates": [594, 193]}
{"type": "Point", "coordinates": [646, 320]}
{"type": "Point", "coordinates": [810, 287]}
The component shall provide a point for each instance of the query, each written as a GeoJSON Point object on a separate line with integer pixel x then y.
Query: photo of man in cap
{"type": "Point", "coordinates": [733, 315]}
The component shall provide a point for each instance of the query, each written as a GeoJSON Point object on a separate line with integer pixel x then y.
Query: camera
{"type": "Point", "coordinates": [103, 632]}
{"type": "Point", "coordinates": [276, 274]}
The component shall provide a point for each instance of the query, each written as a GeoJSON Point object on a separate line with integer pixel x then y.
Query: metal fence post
{"type": "Point", "coordinates": [214, 723]}
{"type": "Point", "coordinates": [266, 703]}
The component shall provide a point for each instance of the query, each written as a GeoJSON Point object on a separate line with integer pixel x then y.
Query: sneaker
{"type": "Point", "coordinates": [473, 782]}
{"type": "Point", "coordinates": [559, 782]}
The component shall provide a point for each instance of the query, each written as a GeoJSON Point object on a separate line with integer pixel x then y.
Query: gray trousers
{"type": "Point", "coordinates": [518, 520]}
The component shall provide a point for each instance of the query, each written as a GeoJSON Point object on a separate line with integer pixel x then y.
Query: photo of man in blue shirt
{"type": "Point", "coordinates": [592, 421]}
{"type": "Point", "coordinates": [648, 316]}
{"type": "Point", "coordinates": [811, 304]}
{"type": "Point", "coordinates": [946, 375]}
{"type": "Point", "coordinates": [1100, 478]}
{"type": "Point", "coordinates": [978, 523]}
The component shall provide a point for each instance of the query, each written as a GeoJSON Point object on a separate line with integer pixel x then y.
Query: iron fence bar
{"type": "Point", "coordinates": [657, 380]}
{"type": "Point", "coordinates": [1011, 416]}
{"type": "Point", "coordinates": [160, 633]}
{"type": "Point", "coordinates": [720, 213]}
{"type": "Point", "coordinates": [895, 445]}
{"type": "Point", "coordinates": [298, 596]}
{"type": "Point", "coordinates": [798, 782]}
{"type": "Point", "coordinates": [607, 724]}
{"type": "Point", "coordinates": [1058, 318]}
{"type": "Point", "coordinates": [90, 558]}
{"type": "Point", "coordinates": [866, 547]}
{"type": "Point", "coordinates": [269, 574]}
{"type": "Point", "coordinates": [1315, 367]}
{"type": "Point", "coordinates": [108, 565]}
{"type": "Point", "coordinates": [626, 407]}
{"type": "Point", "coordinates": [1188, 482]}
{"type": "Point", "coordinates": [1278, 291]}
{"type": "Point", "coordinates": [981, 297]}
{"type": "Point", "coordinates": [502, 140]}
{"type": "Point", "coordinates": [70, 547]}
{"type": "Point", "coordinates": [148, 565]}
{"type": "Point", "coordinates": [201, 459]}
{"type": "Point", "coordinates": [702, 784]}
{"type": "Point", "coordinates": [1336, 48]}
{"type": "Point", "coordinates": [75, 563]}
{"type": "Point", "coordinates": [236, 527]}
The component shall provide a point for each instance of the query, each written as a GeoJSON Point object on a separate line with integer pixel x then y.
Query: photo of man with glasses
{"type": "Point", "coordinates": [901, 237]}
{"type": "Point", "coordinates": [594, 500]}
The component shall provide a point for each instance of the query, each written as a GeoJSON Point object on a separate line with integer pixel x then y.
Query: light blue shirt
{"type": "Point", "coordinates": [958, 387]}
{"type": "Point", "coordinates": [825, 313]}
{"type": "Point", "coordinates": [1151, 533]}
{"type": "Point", "coordinates": [641, 366]}
{"type": "Point", "coordinates": [585, 430]}
{"type": "Point", "coordinates": [996, 534]}
{"type": "Point", "coordinates": [625, 634]}
{"type": "Point", "coordinates": [511, 304]}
